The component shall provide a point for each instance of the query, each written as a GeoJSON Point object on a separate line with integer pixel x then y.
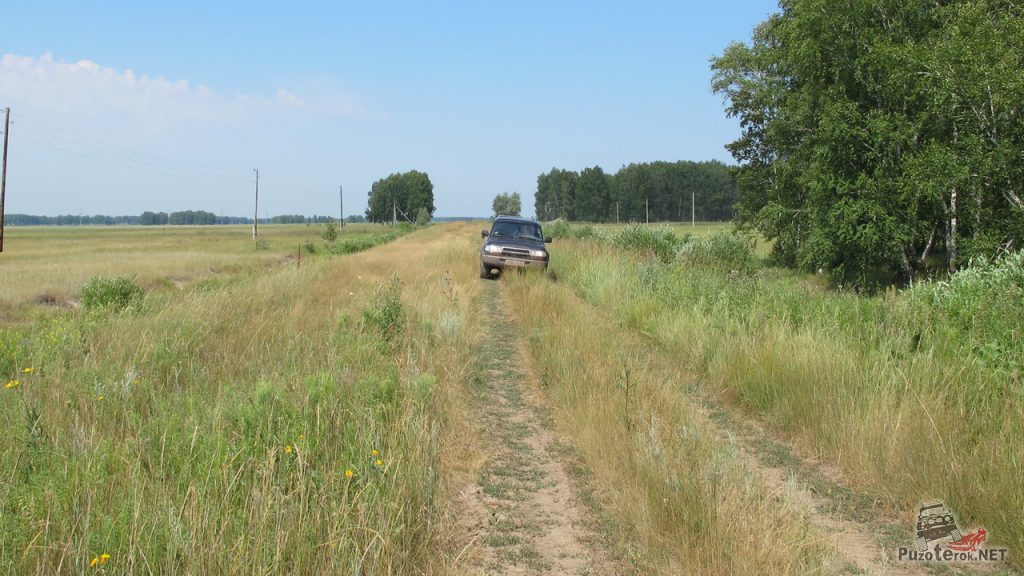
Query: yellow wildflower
{"type": "Point", "coordinates": [288, 449]}
{"type": "Point", "coordinates": [349, 473]}
{"type": "Point", "coordinates": [302, 436]}
{"type": "Point", "coordinates": [374, 452]}
{"type": "Point", "coordinates": [26, 370]}
{"type": "Point", "coordinates": [100, 397]}
{"type": "Point", "coordinates": [94, 562]}
{"type": "Point", "coordinates": [12, 384]}
{"type": "Point", "coordinates": [104, 557]}
{"type": "Point", "coordinates": [379, 462]}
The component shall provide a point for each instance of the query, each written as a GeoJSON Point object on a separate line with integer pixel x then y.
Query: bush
{"type": "Point", "coordinates": [111, 293]}
{"type": "Point", "coordinates": [726, 251]}
{"type": "Point", "coordinates": [423, 217]}
{"type": "Point", "coordinates": [558, 229]}
{"type": "Point", "coordinates": [384, 314]}
{"type": "Point", "coordinates": [330, 233]}
{"type": "Point", "coordinates": [659, 241]}
{"type": "Point", "coordinates": [982, 305]}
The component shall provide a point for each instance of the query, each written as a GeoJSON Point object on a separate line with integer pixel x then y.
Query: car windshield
{"type": "Point", "coordinates": [516, 230]}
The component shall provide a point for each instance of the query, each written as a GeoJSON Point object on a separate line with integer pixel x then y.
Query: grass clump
{"type": "Point", "coordinates": [384, 313]}
{"type": "Point", "coordinates": [725, 251]}
{"type": "Point", "coordinates": [111, 293]}
{"type": "Point", "coordinates": [981, 306]}
{"type": "Point", "coordinates": [657, 240]}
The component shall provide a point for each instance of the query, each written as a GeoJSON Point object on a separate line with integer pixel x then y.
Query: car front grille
{"type": "Point", "coordinates": [516, 253]}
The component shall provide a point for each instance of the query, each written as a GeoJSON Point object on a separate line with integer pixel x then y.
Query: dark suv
{"type": "Point", "coordinates": [513, 242]}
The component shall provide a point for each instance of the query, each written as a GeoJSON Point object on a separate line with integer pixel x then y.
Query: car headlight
{"type": "Point", "coordinates": [538, 253]}
{"type": "Point", "coordinates": [492, 249]}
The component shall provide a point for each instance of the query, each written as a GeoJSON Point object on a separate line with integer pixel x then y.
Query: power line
{"type": "Point", "coordinates": [68, 133]}
{"type": "Point", "coordinates": [117, 159]}
{"type": "Point", "coordinates": [122, 165]}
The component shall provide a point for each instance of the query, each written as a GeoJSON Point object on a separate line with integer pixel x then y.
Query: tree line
{"type": "Point", "coordinates": [408, 196]}
{"type": "Point", "coordinates": [148, 218]}
{"type": "Point", "coordinates": [655, 191]}
{"type": "Point", "coordinates": [882, 137]}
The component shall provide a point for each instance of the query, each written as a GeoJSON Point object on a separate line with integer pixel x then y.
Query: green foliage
{"type": "Point", "coordinates": [384, 313]}
{"type": "Point", "coordinates": [660, 241]}
{"type": "Point", "coordinates": [309, 247]}
{"type": "Point", "coordinates": [189, 217]}
{"type": "Point", "coordinates": [365, 242]}
{"type": "Point", "coordinates": [662, 191]}
{"type": "Point", "coordinates": [423, 217]}
{"type": "Point", "coordinates": [507, 204]}
{"type": "Point", "coordinates": [110, 293]}
{"type": "Point", "coordinates": [330, 233]}
{"type": "Point", "coordinates": [404, 193]}
{"type": "Point", "coordinates": [981, 306]}
{"type": "Point", "coordinates": [876, 134]}
{"type": "Point", "coordinates": [725, 251]}
{"type": "Point", "coordinates": [558, 229]}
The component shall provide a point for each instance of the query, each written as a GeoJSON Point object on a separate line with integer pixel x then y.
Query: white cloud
{"type": "Point", "coordinates": [47, 84]}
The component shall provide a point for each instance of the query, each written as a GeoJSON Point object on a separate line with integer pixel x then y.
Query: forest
{"type": "Point", "coordinates": [655, 191]}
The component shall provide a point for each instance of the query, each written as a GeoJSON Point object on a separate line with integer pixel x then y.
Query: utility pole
{"type": "Point", "coordinates": [394, 213]}
{"type": "Point", "coordinates": [256, 211]}
{"type": "Point", "coordinates": [647, 209]}
{"type": "Point", "coordinates": [616, 212]}
{"type": "Point", "coordinates": [341, 206]}
{"type": "Point", "coordinates": [3, 179]}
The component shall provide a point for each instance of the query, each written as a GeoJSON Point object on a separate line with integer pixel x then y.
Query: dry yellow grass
{"type": "Point", "coordinates": [230, 427]}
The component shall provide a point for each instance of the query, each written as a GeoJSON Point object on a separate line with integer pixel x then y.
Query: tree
{"type": "Point", "coordinates": [400, 195]}
{"type": "Point", "coordinates": [875, 134]}
{"type": "Point", "coordinates": [423, 217]}
{"type": "Point", "coordinates": [666, 189]}
{"type": "Point", "coordinates": [507, 204]}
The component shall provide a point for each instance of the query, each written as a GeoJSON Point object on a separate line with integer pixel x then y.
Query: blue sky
{"type": "Point", "coordinates": [120, 107]}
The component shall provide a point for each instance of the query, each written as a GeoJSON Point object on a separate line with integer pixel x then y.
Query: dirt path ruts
{"type": "Point", "coordinates": [522, 516]}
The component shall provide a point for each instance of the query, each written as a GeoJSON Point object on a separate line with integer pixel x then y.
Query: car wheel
{"type": "Point", "coordinates": [922, 544]}
{"type": "Point", "coordinates": [485, 272]}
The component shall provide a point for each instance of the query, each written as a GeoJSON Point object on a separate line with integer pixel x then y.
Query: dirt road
{"type": "Point", "coordinates": [523, 515]}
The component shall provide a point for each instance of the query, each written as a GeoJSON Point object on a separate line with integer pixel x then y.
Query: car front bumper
{"type": "Point", "coordinates": [499, 261]}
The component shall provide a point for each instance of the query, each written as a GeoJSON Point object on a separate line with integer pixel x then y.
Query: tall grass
{"type": "Point", "coordinates": [915, 395]}
{"type": "Point", "coordinates": [257, 427]}
{"type": "Point", "coordinates": [678, 497]}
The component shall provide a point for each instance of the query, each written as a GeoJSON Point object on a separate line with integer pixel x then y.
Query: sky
{"type": "Point", "coordinates": [122, 107]}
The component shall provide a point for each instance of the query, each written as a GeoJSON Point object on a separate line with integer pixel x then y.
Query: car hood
{"type": "Point", "coordinates": [515, 242]}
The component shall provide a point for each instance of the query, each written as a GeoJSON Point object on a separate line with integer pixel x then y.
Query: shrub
{"type": "Point", "coordinates": [330, 233]}
{"type": "Point", "coordinates": [982, 305]}
{"type": "Point", "coordinates": [384, 314]}
{"type": "Point", "coordinates": [111, 293]}
{"type": "Point", "coordinates": [659, 241]}
{"type": "Point", "coordinates": [558, 229]}
{"type": "Point", "coordinates": [423, 217]}
{"type": "Point", "coordinates": [726, 251]}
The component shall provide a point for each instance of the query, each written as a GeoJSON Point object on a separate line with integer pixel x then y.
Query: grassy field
{"type": "Point", "coordinates": [243, 414]}
{"type": "Point", "coordinates": [260, 418]}
{"type": "Point", "coordinates": [50, 264]}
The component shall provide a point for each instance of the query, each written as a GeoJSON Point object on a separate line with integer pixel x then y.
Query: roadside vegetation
{"type": "Point", "coordinates": [264, 418]}
{"type": "Point", "coordinates": [914, 394]}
